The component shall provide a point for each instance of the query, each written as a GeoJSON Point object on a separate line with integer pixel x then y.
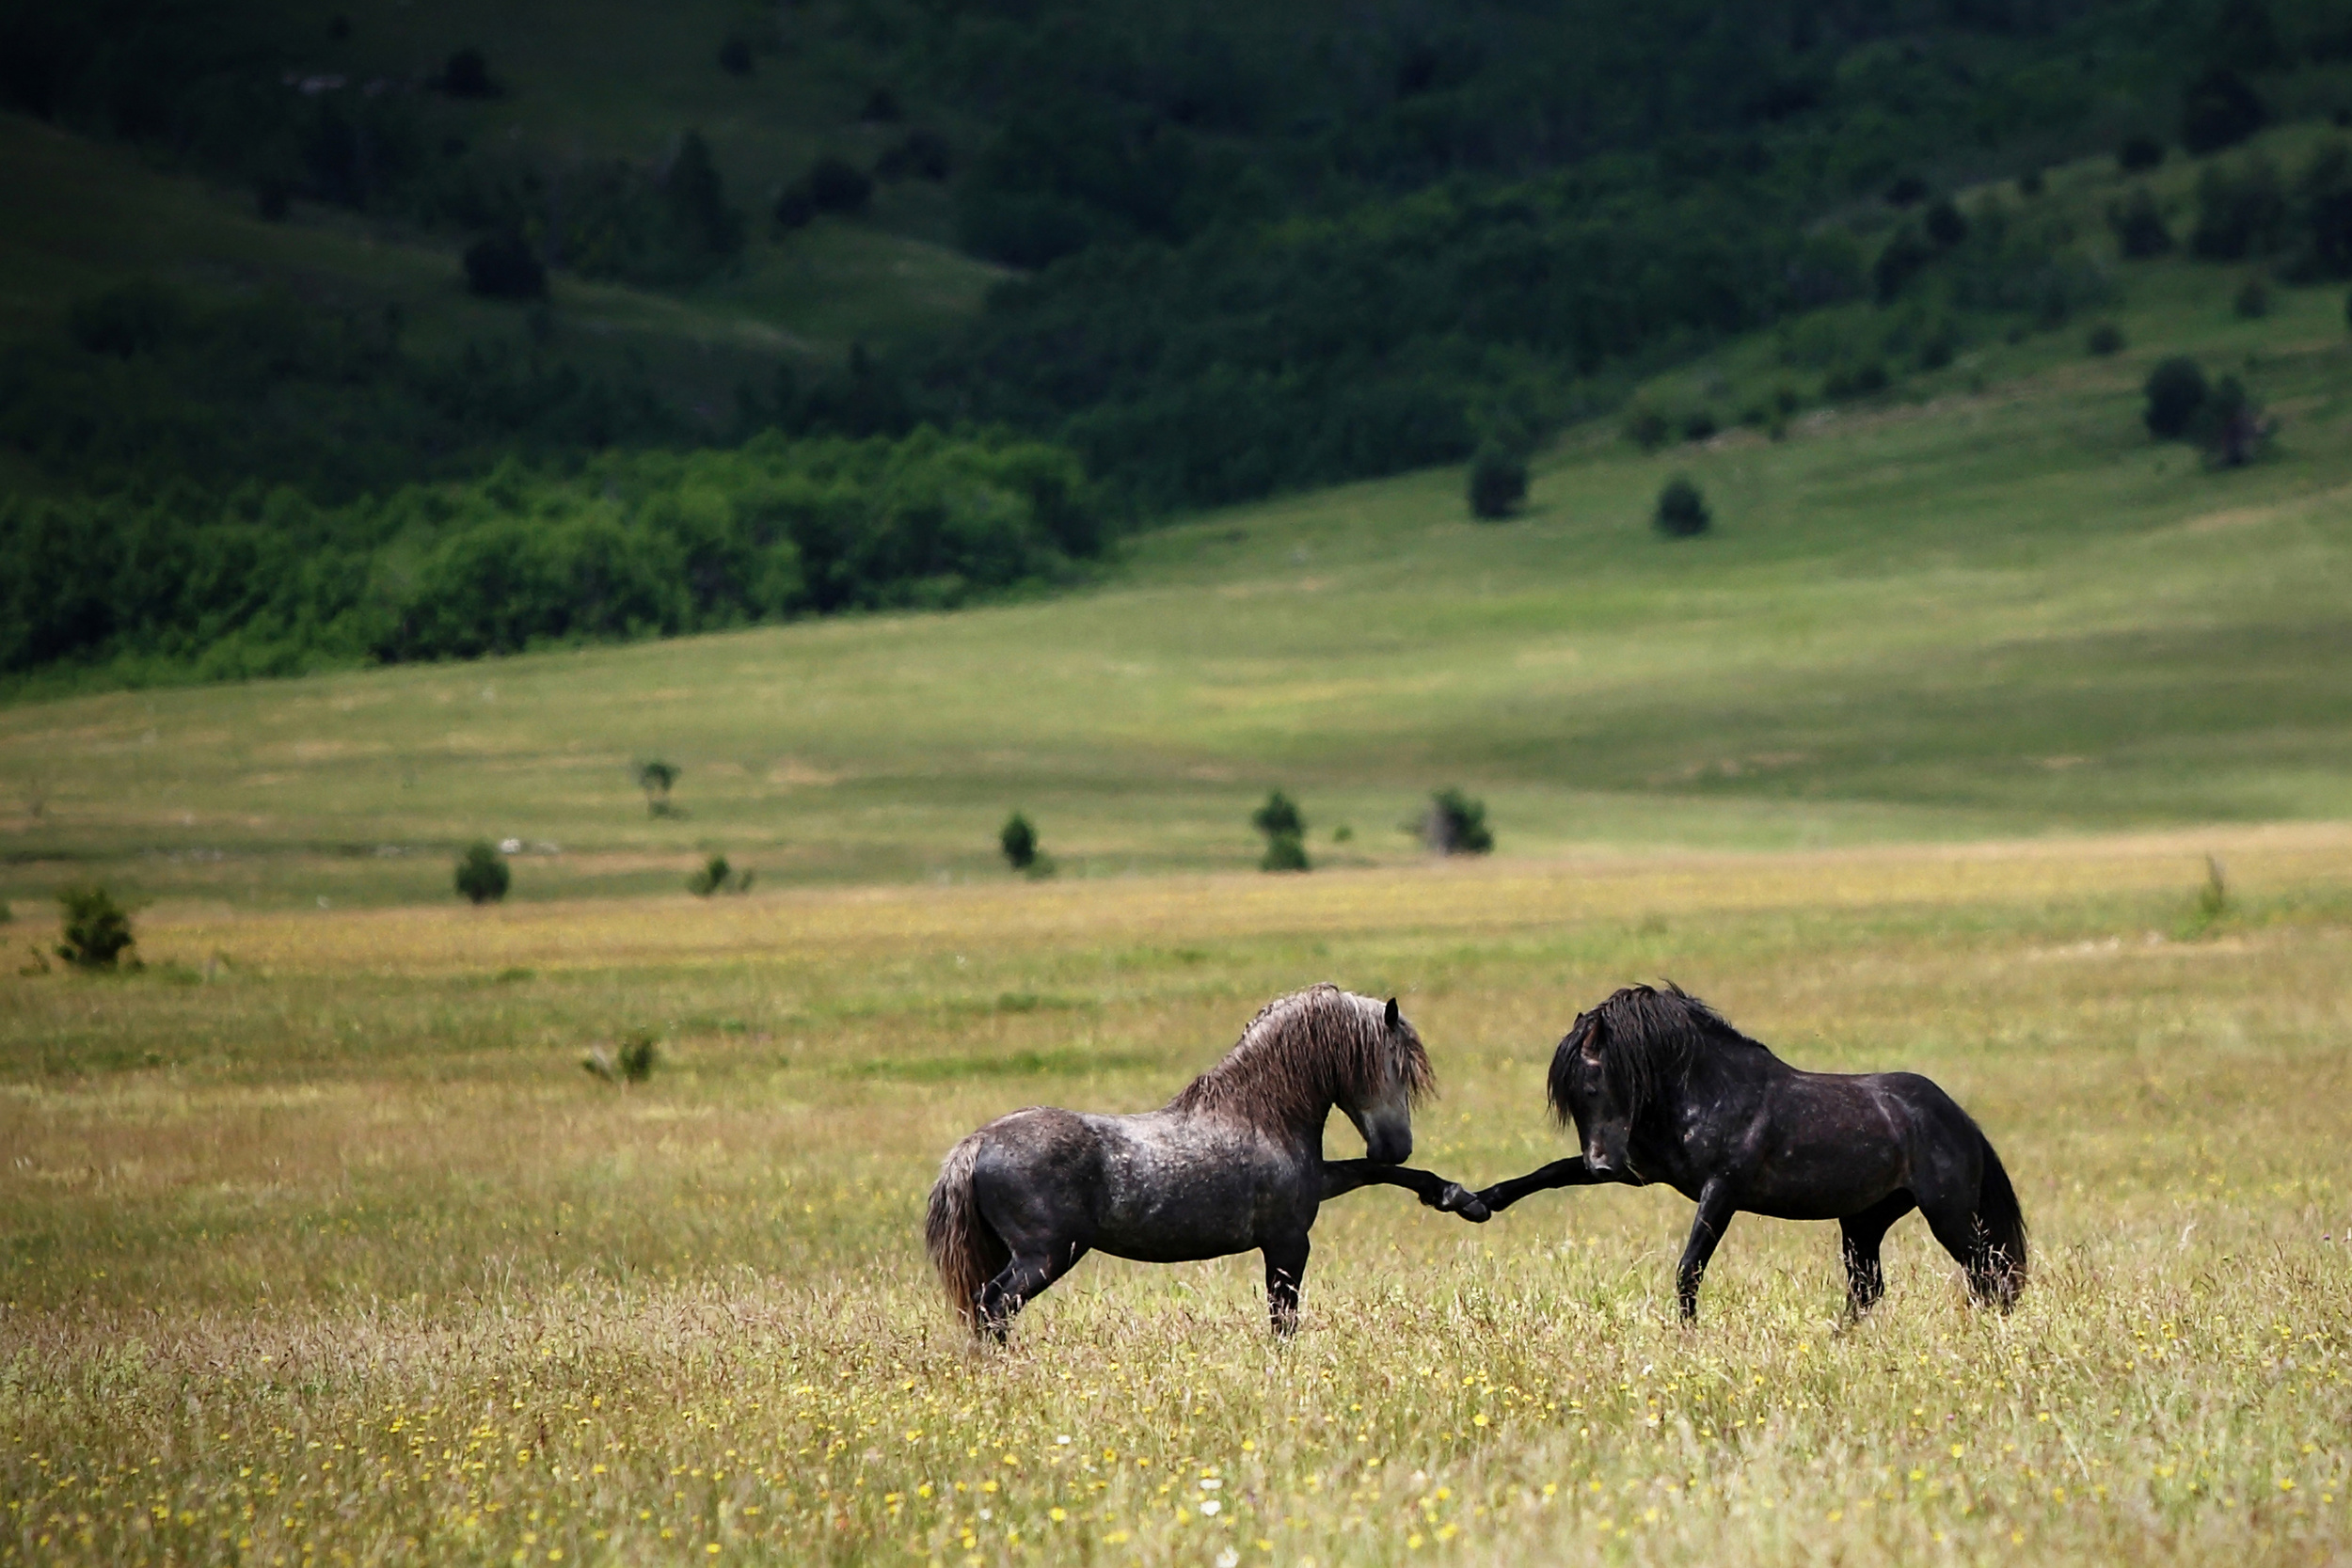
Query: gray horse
{"type": "Point", "coordinates": [1233, 1163]}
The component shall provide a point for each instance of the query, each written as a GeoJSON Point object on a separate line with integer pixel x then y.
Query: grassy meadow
{"type": "Point", "coordinates": [320, 1246]}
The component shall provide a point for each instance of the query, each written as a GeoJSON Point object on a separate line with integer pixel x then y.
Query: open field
{"type": "Point", "coordinates": [321, 1248]}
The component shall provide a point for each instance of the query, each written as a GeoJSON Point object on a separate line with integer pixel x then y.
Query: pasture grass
{"type": "Point", "coordinates": [321, 1247]}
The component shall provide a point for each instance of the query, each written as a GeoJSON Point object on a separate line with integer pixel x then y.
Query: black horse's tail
{"type": "Point", "coordinates": [2001, 1232]}
{"type": "Point", "coordinates": [966, 1251]}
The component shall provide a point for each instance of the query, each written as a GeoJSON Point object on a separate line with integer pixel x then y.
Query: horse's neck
{"type": "Point", "coordinates": [1267, 1095]}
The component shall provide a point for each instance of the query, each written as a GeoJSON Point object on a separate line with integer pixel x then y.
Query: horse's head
{"type": "Point", "coordinates": [1587, 1088]}
{"type": "Point", "coordinates": [1380, 1101]}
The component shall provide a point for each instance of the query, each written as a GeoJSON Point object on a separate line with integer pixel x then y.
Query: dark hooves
{"type": "Point", "coordinates": [1461, 1200]}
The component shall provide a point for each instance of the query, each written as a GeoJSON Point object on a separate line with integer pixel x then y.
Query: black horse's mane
{"type": "Point", "coordinates": [1647, 1040]}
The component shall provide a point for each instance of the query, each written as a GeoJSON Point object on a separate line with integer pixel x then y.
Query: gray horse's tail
{"type": "Point", "coordinates": [963, 1249]}
{"type": "Point", "coordinates": [2001, 1231]}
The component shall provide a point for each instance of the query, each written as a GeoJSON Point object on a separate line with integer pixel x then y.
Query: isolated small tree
{"type": "Point", "coordinates": [503, 266]}
{"type": "Point", "coordinates": [95, 929]}
{"type": "Point", "coordinates": [1017, 839]}
{"type": "Point", "coordinates": [2229, 425]}
{"type": "Point", "coordinates": [1681, 510]}
{"type": "Point", "coordinates": [735, 56]}
{"type": "Point", "coordinates": [717, 876]}
{"type": "Point", "coordinates": [1285, 831]}
{"type": "Point", "coordinates": [2253, 298]}
{"type": "Point", "coordinates": [655, 778]}
{"type": "Point", "coordinates": [1944, 223]}
{"type": "Point", "coordinates": [2103, 339]}
{"type": "Point", "coordinates": [1456, 825]}
{"type": "Point", "coordinates": [1498, 482]}
{"type": "Point", "coordinates": [483, 876]}
{"type": "Point", "coordinates": [2176, 390]}
{"type": "Point", "coordinates": [2139, 153]}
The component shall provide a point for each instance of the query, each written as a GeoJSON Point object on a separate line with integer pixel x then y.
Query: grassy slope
{"type": "Point", "coordinates": [1986, 613]}
{"type": "Point", "coordinates": [76, 217]}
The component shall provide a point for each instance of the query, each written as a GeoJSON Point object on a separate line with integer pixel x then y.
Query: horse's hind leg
{"type": "Point", "coordinates": [1019, 1283]}
{"type": "Point", "coordinates": [1285, 1271]}
{"type": "Point", "coordinates": [1865, 1281]}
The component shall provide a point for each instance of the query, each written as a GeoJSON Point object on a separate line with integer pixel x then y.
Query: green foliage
{"type": "Point", "coordinates": [2252, 300]}
{"type": "Point", "coordinates": [631, 1061]}
{"type": "Point", "coordinates": [1284, 852]}
{"type": "Point", "coordinates": [483, 876]}
{"type": "Point", "coordinates": [1285, 831]}
{"type": "Point", "coordinates": [95, 931]}
{"type": "Point", "coordinates": [2103, 339]}
{"type": "Point", "coordinates": [717, 876]}
{"type": "Point", "coordinates": [1681, 511]}
{"type": "Point", "coordinates": [2176, 390]}
{"type": "Point", "coordinates": [630, 546]}
{"type": "Point", "coordinates": [1456, 825]}
{"type": "Point", "coordinates": [2141, 231]}
{"type": "Point", "coordinates": [2229, 426]}
{"type": "Point", "coordinates": [1017, 839]}
{"type": "Point", "coordinates": [2241, 210]}
{"type": "Point", "coordinates": [2139, 153]}
{"type": "Point", "coordinates": [2220, 110]}
{"type": "Point", "coordinates": [153, 385]}
{"type": "Point", "coordinates": [655, 778]}
{"type": "Point", "coordinates": [1498, 482]}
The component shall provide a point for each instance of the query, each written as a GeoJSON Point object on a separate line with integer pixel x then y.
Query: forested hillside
{"type": "Point", "coordinates": [1232, 251]}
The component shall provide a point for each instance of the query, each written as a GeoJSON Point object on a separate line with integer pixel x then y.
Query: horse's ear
{"type": "Point", "coordinates": [1592, 1041]}
{"type": "Point", "coordinates": [1391, 1012]}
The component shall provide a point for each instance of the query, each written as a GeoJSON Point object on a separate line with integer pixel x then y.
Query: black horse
{"type": "Point", "coordinates": [1662, 1089]}
{"type": "Point", "coordinates": [1233, 1163]}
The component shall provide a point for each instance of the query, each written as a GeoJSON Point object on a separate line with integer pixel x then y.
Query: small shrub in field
{"type": "Point", "coordinates": [2030, 183]}
{"type": "Point", "coordinates": [2139, 153]}
{"type": "Point", "coordinates": [1285, 831]}
{"type": "Point", "coordinates": [2176, 390]}
{"type": "Point", "coordinates": [2253, 298]}
{"type": "Point", "coordinates": [717, 876]}
{"type": "Point", "coordinates": [2229, 426]}
{"type": "Point", "coordinates": [2105, 338]}
{"type": "Point", "coordinates": [483, 876]}
{"type": "Point", "coordinates": [1681, 510]}
{"type": "Point", "coordinates": [1018, 841]}
{"type": "Point", "coordinates": [1647, 428]}
{"type": "Point", "coordinates": [735, 56]}
{"type": "Point", "coordinates": [95, 928]}
{"type": "Point", "coordinates": [503, 266]}
{"type": "Point", "coordinates": [655, 778]}
{"type": "Point", "coordinates": [1946, 226]}
{"type": "Point", "coordinates": [1698, 424]}
{"type": "Point", "coordinates": [1456, 825]}
{"type": "Point", "coordinates": [631, 1062]}
{"type": "Point", "coordinates": [1498, 482]}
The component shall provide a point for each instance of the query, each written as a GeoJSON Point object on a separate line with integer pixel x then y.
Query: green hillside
{"type": "Point", "coordinates": [1995, 608]}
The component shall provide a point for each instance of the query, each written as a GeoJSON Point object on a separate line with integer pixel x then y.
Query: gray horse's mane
{"type": "Point", "coordinates": [1303, 1051]}
{"type": "Point", "coordinates": [1647, 1040]}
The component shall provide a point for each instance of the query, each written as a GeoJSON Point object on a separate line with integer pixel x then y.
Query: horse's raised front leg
{"type": "Point", "coordinates": [1285, 1271]}
{"type": "Point", "coordinates": [1865, 1281]}
{"type": "Point", "coordinates": [1715, 1212]}
{"type": "Point", "coordinates": [1570, 1172]}
{"type": "Point", "coordinates": [1436, 1191]}
{"type": "Point", "coordinates": [1021, 1282]}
